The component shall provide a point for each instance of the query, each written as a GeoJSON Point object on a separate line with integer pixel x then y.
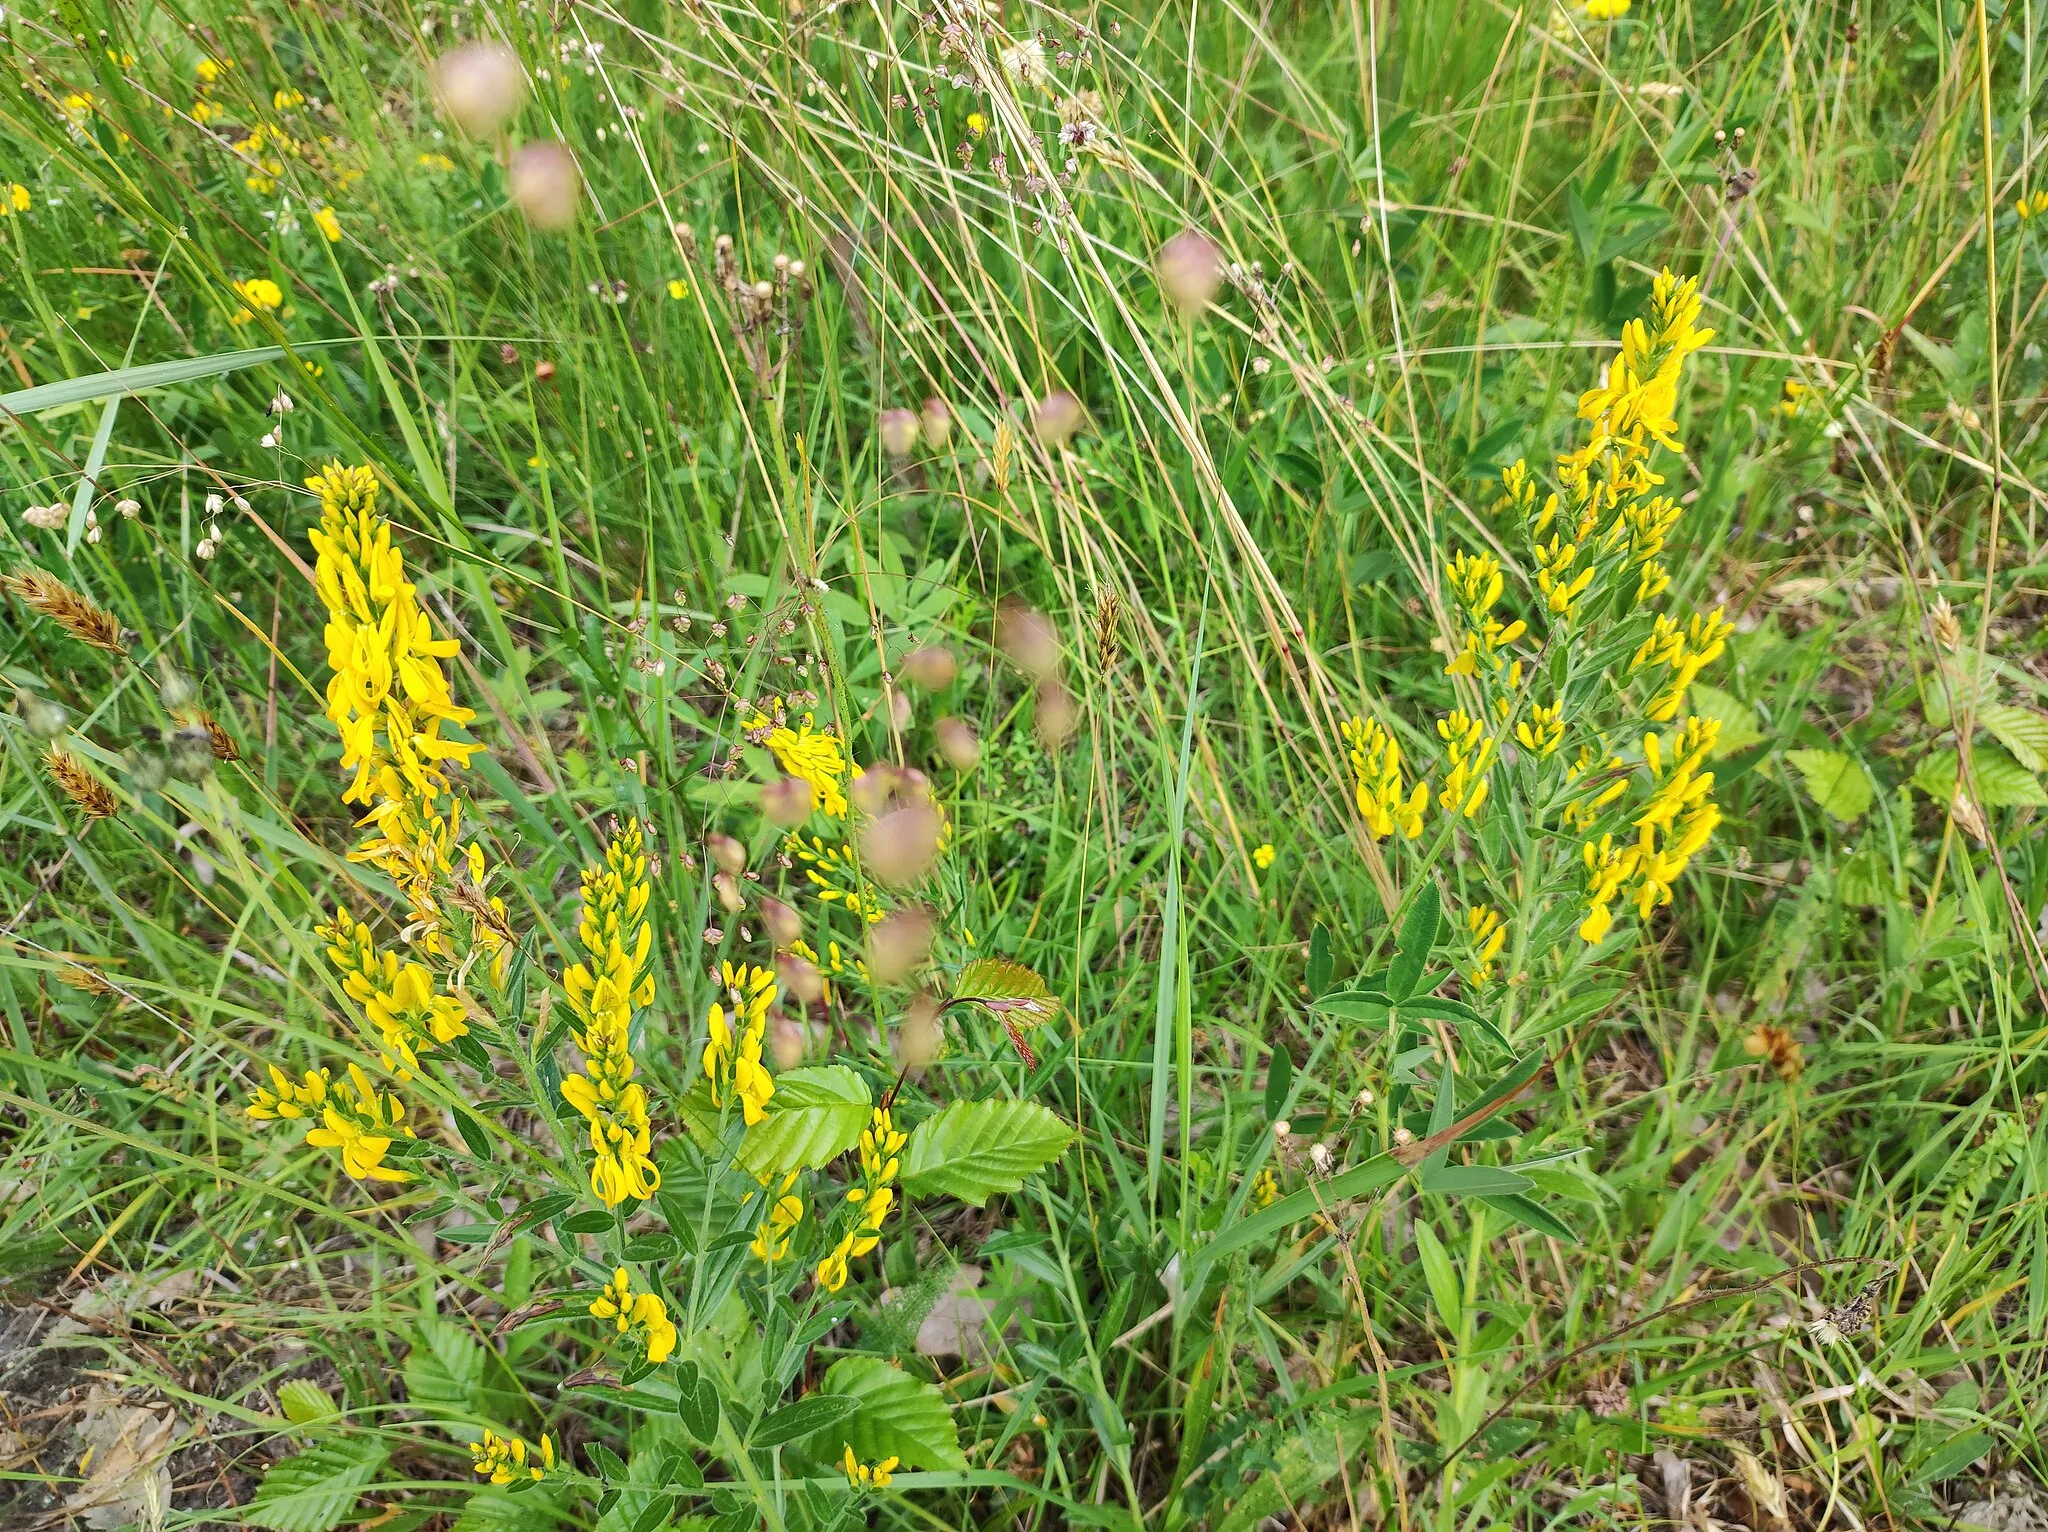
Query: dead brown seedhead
{"type": "Point", "coordinates": [92, 797]}
{"type": "Point", "coordinates": [80, 617]}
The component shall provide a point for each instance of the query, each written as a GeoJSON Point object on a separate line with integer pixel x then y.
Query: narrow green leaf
{"type": "Point", "coordinates": [1418, 935]}
{"type": "Point", "coordinates": [1320, 963]}
{"type": "Point", "coordinates": [1279, 1080]}
{"type": "Point", "coordinates": [1441, 1276]}
{"type": "Point", "coordinates": [802, 1418]}
{"type": "Point", "coordinates": [1527, 1210]}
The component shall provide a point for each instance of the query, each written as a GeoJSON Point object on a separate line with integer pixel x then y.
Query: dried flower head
{"type": "Point", "coordinates": [1778, 1047]}
{"type": "Point", "coordinates": [51, 597]}
{"type": "Point", "coordinates": [898, 432]}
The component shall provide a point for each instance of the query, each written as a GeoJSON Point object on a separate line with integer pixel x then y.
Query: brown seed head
{"type": "Point", "coordinates": [479, 87]}
{"type": "Point", "coordinates": [932, 667]}
{"type": "Point", "coordinates": [51, 597]}
{"type": "Point", "coordinates": [93, 798]}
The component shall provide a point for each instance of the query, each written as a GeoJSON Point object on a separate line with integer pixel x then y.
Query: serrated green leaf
{"type": "Point", "coordinates": [2002, 782]}
{"type": "Point", "coordinates": [815, 1116]}
{"type": "Point", "coordinates": [1958, 685]}
{"type": "Point", "coordinates": [1008, 988]}
{"type": "Point", "coordinates": [1737, 719]}
{"type": "Point", "coordinates": [314, 1491]}
{"type": "Point", "coordinates": [974, 1149]}
{"type": "Point", "coordinates": [2021, 730]}
{"type": "Point", "coordinates": [495, 1510]}
{"type": "Point", "coordinates": [1835, 780]}
{"type": "Point", "coordinates": [445, 1371]}
{"type": "Point", "coordinates": [304, 1401]}
{"type": "Point", "coordinates": [897, 1416]}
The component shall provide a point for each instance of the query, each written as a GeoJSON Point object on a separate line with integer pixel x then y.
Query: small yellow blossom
{"type": "Point", "coordinates": [809, 753]}
{"type": "Point", "coordinates": [773, 1234]}
{"type": "Point", "coordinates": [501, 1459]}
{"type": "Point", "coordinates": [14, 198]}
{"type": "Point", "coordinates": [1489, 933]}
{"type": "Point", "coordinates": [1263, 857]}
{"type": "Point", "coordinates": [329, 225]}
{"type": "Point", "coordinates": [977, 123]}
{"type": "Point", "coordinates": [641, 1316]}
{"type": "Point", "coordinates": [362, 1124]}
{"type": "Point", "coordinates": [1266, 1188]}
{"type": "Point", "coordinates": [868, 1475]}
{"type": "Point", "coordinates": [1606, 10]}
{"type": "Point", "coordinates": [678, 288]}
{"type": "Point", "coordinates": [435, 162]}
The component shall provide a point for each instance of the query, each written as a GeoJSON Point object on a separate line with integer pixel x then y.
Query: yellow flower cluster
{"type": "Point", "coordinates": [389, 700]}
{"type": "Point", "coordinates": [1489, 934]}
{"type": "Point", "coordinates": [399, 999]}
{"type": "Point", "coordinates": [808, 753]}
{"type": "Point", "coordinates": [830, 870]}
{"type": "Point", "coordinates": [14, 198]}
{"type": "Point", "coordinates": [1476, 583]}
{"type": "Point", "coordinates": [1469, 750]}
{"type": "Point", "coordinates": [868, 1475]}
{"type": "Point", "coordinates": [1641, 388]}
{"type": "Point", "coordinates": [1673, 827]}
{"type": "Point", "coordinates": [880, 1146]}
{"type": "Point", "coordinates": [1376, 775]}
{"type": "Point", "coordinates": [643, 1317]}
{"type": "Point", "coordinates": [354, 1117]}
{"type": "Point", "coordinates": [501, 1459]}
{"type": "Point", "coordinates": [732, 1056]}
{"type": "Point", "coordinates": [604, 990]}
{"type": "Point", "coordinates": [772, 1235]}
{"type": "Point", "coordinates": [1543, 730]}
{"type": "Point", "coordinates": [1684, 652]}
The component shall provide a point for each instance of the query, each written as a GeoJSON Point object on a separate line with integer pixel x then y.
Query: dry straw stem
{"type": "Point", "coordinates": [93, 797]}
{"type": "Point", "coordinates": [81, 618]}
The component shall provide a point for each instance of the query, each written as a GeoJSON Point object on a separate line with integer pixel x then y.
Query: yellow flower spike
{"type": "Point", "coordinates": [1377, 781]}
{"type": "Point", "coordinates": [773, 1234]}
{"type": "Point", "coordinates": [362, 1124]}
{"type": "Point", "coordinates": [832, 1270]}
{"type": "Point", "coordinates": [864, 1476]}
{"type": "Point", "coordinates": [603, 992]}
{"type": "Point", "coordinates": [1543, 730]}
{"type": "Point", "coordinates": [732, 1056]}
{"type": "Point", "coordinates": [1489, 932]}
